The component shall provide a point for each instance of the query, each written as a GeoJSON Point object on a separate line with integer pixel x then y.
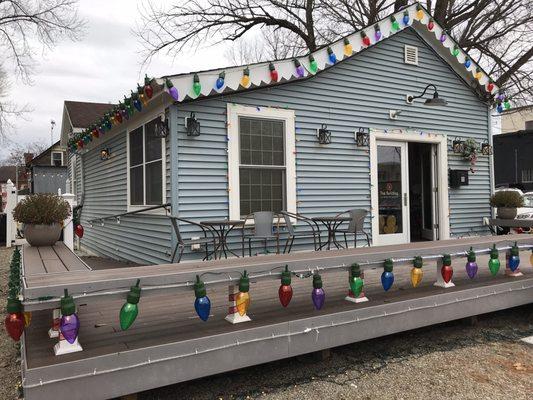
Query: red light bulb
{"type": "Point", "coordinates": [273, 73]}
{"type": "Point", "coordinates": [14, 321]}
{"type": "Point", "coordinates": [285, 290]}
{"type": "Point", "coordinates": [431, 24]}
{"type": "Point", "coordinates": [78, 230]}
{"type": "Point", "coordinates": [490, 86]}
{"type": "Point", "coordinates": [446, 271]}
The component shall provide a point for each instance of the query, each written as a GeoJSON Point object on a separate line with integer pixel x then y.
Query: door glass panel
{"type": "Point", "coordinates": [390, 189]}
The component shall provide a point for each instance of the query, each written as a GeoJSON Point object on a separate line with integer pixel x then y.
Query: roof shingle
{"type": "Point", "coordinates": [82, 114]}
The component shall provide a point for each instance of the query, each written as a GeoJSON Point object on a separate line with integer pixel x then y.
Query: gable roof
{"type": "Point", "coordinates": [8, 172]}
{"type": "Point", "coordinates": [54, 147]}
{"type": "Point", "coordinates": [259, 75]}
{"type": "Point", "coordinates": [82, 113]}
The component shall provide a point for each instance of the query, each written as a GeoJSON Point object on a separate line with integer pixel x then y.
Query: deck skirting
{"type": "Point", "coordinates": [121, 373]}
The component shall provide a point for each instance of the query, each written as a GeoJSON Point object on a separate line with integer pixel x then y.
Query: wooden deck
{"type": "Point", "coordinates": [168, 343]}
{"type": "Point", "coordinates": [56, 259]}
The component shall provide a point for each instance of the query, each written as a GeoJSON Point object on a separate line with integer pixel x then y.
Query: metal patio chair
{"type": "Point", "coordinates": [182, 243]}
{"type": "Point", "coordinates": [263, 230]}
{"type": "Point", "coordinates": [293, 233]}
{"type": "Point", "coordinates": [355, 226]}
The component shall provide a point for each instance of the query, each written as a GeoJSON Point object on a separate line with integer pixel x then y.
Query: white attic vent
{"type": "Point", "coordinates": [411, 55]}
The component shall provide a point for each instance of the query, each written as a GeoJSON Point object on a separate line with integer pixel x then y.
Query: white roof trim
{"type": "Point", "coordinates": [260, 73]}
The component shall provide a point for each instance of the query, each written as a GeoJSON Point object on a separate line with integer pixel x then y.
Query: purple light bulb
{"type": "Point", "coordinates": [300, 71]}
{"type": "Point", "coordinates": [443, 37]}
{"type": "Point", "coordinates": [501, 97]}
{"type": "Point", "coordinates": [378, 35]}
{"type": "Point", "coordinates": [318, 294]}
{"type": "Point", "coordinates": [172, 91]}
{"type": "Point", "coordinates": [471, 268]}
{"type": "Point", "coordinates": [69, 326]}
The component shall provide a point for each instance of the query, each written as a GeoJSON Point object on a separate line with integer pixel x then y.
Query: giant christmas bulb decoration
{"type": "Point", "coordinates": [118, 118]}
{"type": "Point", "coordinates": [299, 69]}
{"type": "Point", "coordinates": [14, 321]}
{"type": "Point", "coordinates": [387, 277]}
{"type": "Point", "coordinates": [348, 48]}
{"type": "Point", "coordinates": [142, 96]}
{"type": "Point", "coordinates": [471, 264]}
{"type": "Point", "coordinates": [468, 62]}
{"type": "Point", "coordinates": [490, 87]}
{"type": "Point", "coordinates": [130, 309]}
{"type": "Point", "coordinates": [331, 56]}
{"type": "Point", "coordinates": [506, 103]}
{"type": "Point", "coordinates": [531, 258]}
{"type": "Point", "coordinates": [478, 75]}
{"type": "Point", "coordinates": [245, 80]}
{"type": "Point", "coordinates": [148, 89]}
{"type": "Point", "coordinates": [419, 12]}
{"type": "Point", "coordinates": [313, 66]}
{"type": "Point", "coordinates": [395, 25]}
{"type": "Point", "coordinates": [70, 323]}
{"type": "Point", "coordinates": [377, 33]}
{"type": "Point", "coordinates": [494, 262]}
{"type": "Point", "coordinates": [405, 18]}
{"type": "Point", "coordinates": [499, 107]}
{"type": "Point", "coordinates": [136, 102]}
{"type": "Point", "coordinates": [196, 86]}
{"type": "Point", "coordinates": [456, 50]}
{"type": "Point", "coordinates": [202, 304]}
{"type": "Point", "coordinates": [285, 289]}
{"type": "Point", "coordinates": [365, 39]}
{"type": "Point", "coordinates": [514, 258]}
{"type": "Point", "coordinates": [78, 230]}
{"type": "Point", "coordinates": [172, 91]}
{"type": "Point", "coordinates": [446, 270]}
{"type": "Point", "coordinates": [355, 280]}
{"type": "Point", "coordinates": [416, 271]}
{"type": "Point", "coordinates": [443, 37]}
{"type": "Point", "coordinates": [243, 297]}
{"type": "Point", "coordinates": [317, 295]}
{"type": "Point", "coordinates": [219, 84]}
{"type": "Point", "coordinates": [128, 102]}
{"type": "Point", "coordinates": [273, 73]}
{"type": "Point", "coordinates": [431, 24]}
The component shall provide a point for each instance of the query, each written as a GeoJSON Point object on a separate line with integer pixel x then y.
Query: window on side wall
{"type": "Point", "coordinates": [57, 158]}
{"type": "Point", "coordinates": [145, 169]}
{"type": "Point", "coordinates": [261, 160]}
{"type": "Point", "coordinates": [527, 175]}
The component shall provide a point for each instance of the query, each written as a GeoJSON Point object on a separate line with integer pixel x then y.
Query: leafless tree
{"type": "Point", "coordinates": [496, 33]}
{"type": "Point", "coordinates": [17, 152]}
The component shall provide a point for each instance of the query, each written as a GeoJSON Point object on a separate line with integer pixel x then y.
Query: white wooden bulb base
{"type": "Point", "coordinates": [359, 299]}
{"type": "Point", "coordinates": [64, 347]}
{"type": "Point", "coordinates": [233, 316]}
{"type": "Point", "coordinates": [53, 332]}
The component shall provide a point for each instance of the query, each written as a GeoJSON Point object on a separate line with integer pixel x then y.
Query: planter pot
{"type": "Point", "coordinates": [506, 212]}
{"type": "Point", "coordinates": [42, 235]}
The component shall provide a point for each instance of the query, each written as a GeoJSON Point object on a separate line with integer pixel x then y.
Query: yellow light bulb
{"type": "Point", "coordinates": [143, 99]}
{"type": "Point", "coordinates": [416, 276]}
{"type": "Point", "coordinates": [245, 81]}
{"type": "Point", "coordinates": [27, 319]}
{"type": "Point", "coordinates": [243, 302]}
{"type": "Point", "coordinates": [419, 14]}
{"type": "Point", "coordinates": [478, 75]}
{"type": "Point", "coordinates": [531, 259]}
{"type": "Point", "coordinates": [348, 49]}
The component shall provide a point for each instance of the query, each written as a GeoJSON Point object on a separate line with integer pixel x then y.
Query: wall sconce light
{"type": "Point", "coordinates": [192, 125]}
{"type": "Point", "coordinates": [324, 135]}
{"type": "Point", "coordinates": [161, 127]}
{"type": "Point", "coordinates": [105, 153]}
{"type": "Point", "coordinates": [362, 137]}
{"type": "Point", "coordinates": [434, 102]}
{"type": "Point", "coordinates": [457, 145]}
{"type": "Point", "coordinates": [486, 149]}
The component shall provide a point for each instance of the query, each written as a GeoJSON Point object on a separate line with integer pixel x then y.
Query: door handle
{"type": "Point", "coordinates": [405, 199]}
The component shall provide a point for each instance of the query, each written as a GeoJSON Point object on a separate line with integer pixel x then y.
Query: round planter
{"type": "Point", "coordinates": [507, 212]}
{"type": "Point", "coordinates": [42, 235]}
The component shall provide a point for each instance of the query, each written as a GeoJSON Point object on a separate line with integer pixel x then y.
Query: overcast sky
{"type": "Point", "coordinates": [102, 67]}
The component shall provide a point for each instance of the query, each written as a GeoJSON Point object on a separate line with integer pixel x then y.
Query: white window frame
{"type": "Point", "coordinates": [134, 207]}
{"type": "Point", "coordinates": [234, 111]}
{"type": "Point", "coordinates": [52, 158]}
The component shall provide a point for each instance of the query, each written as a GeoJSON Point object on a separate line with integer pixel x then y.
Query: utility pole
{"type": "Point", "coordinates": [52, 125]}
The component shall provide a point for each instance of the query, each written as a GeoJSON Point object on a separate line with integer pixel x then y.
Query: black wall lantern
{"type": "Point", "coordinates": [161, 127]}
{"type": "Point", "coordinates": [105, 153]}
{"type": "Point", "coordinates": [486, 149]}
{"type": "Point", "coordinates": [324, 135]}
{"type": "Point", "coordinates": [192, 125]}
{"type": "Point", "coordinates": [457, 145]}
{"type": "Point", "coordinates": [362, 137]}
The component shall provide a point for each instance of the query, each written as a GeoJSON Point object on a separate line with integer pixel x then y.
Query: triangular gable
{"type": "Point", "coordinates": [260, 73]}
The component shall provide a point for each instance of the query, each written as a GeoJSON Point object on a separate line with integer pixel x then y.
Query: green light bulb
{"type": "Point", "coordinates": [313, 66]}
{"type": "Point", "coordinates": [129, 310]}
{"type": "Point", "coordinates": [196, 86]}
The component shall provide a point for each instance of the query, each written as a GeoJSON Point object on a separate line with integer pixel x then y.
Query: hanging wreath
{"type": "Point", "coordinates": [470, 150]}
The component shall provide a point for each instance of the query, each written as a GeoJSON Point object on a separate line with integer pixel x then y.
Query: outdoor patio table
{"type": "Point", "coordinates": [222, 228]}
{"type": "Point", "coordinates": [331, 224]}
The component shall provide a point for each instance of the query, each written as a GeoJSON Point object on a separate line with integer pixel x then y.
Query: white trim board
{"type": "Point", "coordinates": [441, 142]}
{"type": "Point", "coordinates": [234, 111]}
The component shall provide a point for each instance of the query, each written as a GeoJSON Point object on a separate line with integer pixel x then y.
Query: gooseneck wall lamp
{"type": "Point", "coordinates": [434, 102]}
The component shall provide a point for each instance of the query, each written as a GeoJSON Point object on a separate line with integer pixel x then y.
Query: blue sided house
{"type": "Point", "coordinates": [394, 119]}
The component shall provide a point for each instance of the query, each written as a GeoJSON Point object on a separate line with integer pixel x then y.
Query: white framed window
{"type": "Point", "coordinates": [527, 175]}
{"type": "Point", "coordinates": [261, 160]}
{"type": "Point", "coordinates": [56, 158]}
{"type": "Point", "coordinates": [146, 167]}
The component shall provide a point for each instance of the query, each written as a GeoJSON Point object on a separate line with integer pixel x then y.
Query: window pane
{"type": "Point", "coordinates": [136, 185]}
{"type": "Point", "coordinates": [154, 183]}
{"type": "Point", "coordinates": [261, 141]}
{"type": "Point", "coordinates": [152, 143]}
{"type": "Point", "coordinates": [136, 146]}
{"type": "Point", "coordinates": [261, 190]}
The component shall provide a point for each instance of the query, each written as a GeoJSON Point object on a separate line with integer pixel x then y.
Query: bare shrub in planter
{"type": "Point", "coordinates": [42, 216]}
{"type": "Point", "coordinates": [506, 201]}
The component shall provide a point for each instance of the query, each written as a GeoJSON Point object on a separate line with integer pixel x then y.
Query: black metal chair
{"type": "Point", "coordinates": [182, 243]}
{"type": "Point", "coordinates": [263, 230]}
{"type": "Point", "coordinates": [355, 225]}
{"type": "Point", "coordinates": [293, 233]}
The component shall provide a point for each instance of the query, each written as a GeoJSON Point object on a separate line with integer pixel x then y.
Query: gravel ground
{"type": "Point", "coordinates": [449, 361]}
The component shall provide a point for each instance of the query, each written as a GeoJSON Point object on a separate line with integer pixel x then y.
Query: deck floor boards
{"type": "Point", "coordinates": [171, 318]}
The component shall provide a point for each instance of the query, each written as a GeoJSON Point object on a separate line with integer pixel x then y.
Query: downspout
{"type": "Point", "coordinates": [491, 157]}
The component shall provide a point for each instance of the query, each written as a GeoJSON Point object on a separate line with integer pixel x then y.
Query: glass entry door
{"type": "Point", "coordinates": [391, 180]}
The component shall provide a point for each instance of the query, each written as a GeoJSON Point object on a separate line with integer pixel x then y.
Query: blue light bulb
{"type": "Point", "coordinates": [202, 305]}
{"type": "Point", "coordinates": [137, 104]}
{"type": "Point", "coordinates": [387, 279]}
{"type": "Point", "coordinates": [219, 83]}
{"type": "Point", "coordinates": [468, 63]}
{"type": "Point", "coordinates": [406, 19]}
{"type": "Point", "coordinates": [499, 108]}
{"type": "Point", "coordinates": [514, 262]}
{"type": "Point", "coordinates": [332, 58]}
